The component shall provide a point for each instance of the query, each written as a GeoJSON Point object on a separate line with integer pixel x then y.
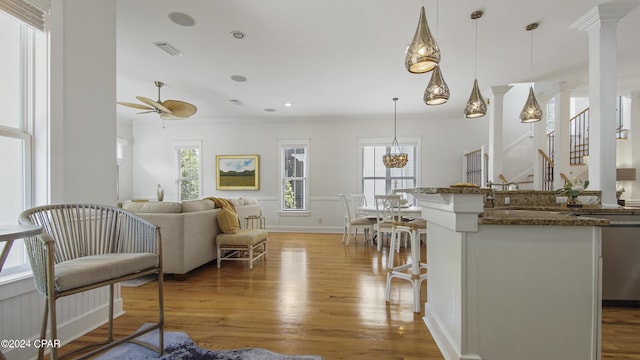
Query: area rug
{"type": "Point", "coordinates": [179, 346]}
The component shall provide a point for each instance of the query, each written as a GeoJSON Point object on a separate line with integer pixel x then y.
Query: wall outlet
{"type": "Point", "coordinates": [561, 199]}
{"type": "Point", "coordinates": [507, 200]}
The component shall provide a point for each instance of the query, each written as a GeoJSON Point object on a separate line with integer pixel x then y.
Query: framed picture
{"type": "Point", "coordinates": [237, 172]}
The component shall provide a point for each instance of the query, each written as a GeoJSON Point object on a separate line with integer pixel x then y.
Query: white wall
{"type": "Point", "coordinates": [125, 168]}
{"type": "Point", "coordinates": [333, 164]}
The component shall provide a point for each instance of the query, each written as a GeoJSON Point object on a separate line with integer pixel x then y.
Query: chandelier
{"type": "Point", "coordinates": [395, 158]}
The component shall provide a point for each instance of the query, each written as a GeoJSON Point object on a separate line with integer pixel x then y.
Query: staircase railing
{"type": "Point", "coordinates": [547, 171]}
{"type": "Point", "coordinates": [579, 138]}
{"type": "Point", "coordinates": [579, 130]}
{"type": "Point", "coordinates": [473, 169]}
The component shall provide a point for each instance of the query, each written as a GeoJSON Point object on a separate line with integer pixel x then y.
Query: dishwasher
{"type": "Point", "coordinates": [620, 260]}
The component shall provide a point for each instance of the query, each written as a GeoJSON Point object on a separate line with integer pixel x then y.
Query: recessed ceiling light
{"type": "Point", "coordinates": [287, 104]}
{"type": "Point", "coordinates": [181, 18]}
{"type": "Point", "coordinates": [270, 110]}
{"type": "Point", "coordinates": [238, 34]}
{"type": "Point", "coordinates": [238, 78]}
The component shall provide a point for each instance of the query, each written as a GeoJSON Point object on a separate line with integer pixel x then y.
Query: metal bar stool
{"type": "Point", "coordinates": [415, 272]}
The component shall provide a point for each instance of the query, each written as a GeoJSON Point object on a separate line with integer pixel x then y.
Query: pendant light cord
{"type": "Point", "coordinates": [475, 74]}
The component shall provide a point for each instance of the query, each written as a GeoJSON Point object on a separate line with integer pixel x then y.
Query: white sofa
{"type": "Point", "coordinates": [188, 229]}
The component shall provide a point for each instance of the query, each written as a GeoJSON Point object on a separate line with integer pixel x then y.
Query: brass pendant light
{"type": "Point", "coordinates": [476, 106]}
{"type": "Point", "coordinates": [423, 53]}
{"type": "Point", "coordinates": [531, 112]}
{"type": "Point", "coordinates": [395, 158]}
{"type": "Point", "coordinates": [437, 91]}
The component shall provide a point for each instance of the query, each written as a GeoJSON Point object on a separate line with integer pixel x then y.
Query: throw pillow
{"type": "Point", "coordinates": [228, 220]}
{"type": "Point", "coordinates": [249, 201]}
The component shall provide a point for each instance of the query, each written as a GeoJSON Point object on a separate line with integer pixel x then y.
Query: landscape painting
{"type": "Point", "coordinates": [237, 172]}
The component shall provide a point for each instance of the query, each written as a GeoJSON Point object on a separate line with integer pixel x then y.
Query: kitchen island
{"type": "Point", "coordinates": [510, 284]}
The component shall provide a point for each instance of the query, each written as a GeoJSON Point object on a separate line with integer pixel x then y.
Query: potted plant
{"type": "Point", "coordinates": [572, 189]}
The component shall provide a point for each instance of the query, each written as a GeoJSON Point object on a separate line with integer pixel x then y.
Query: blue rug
{"type": "Point", "coordinates": [179, 346]}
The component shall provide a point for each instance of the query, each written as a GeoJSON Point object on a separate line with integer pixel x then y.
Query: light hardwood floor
{"type": "Point", "coordinates": [313, 295]}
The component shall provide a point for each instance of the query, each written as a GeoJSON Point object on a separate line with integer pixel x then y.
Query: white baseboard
{"type": "Point", "coordinates": [449, 349]}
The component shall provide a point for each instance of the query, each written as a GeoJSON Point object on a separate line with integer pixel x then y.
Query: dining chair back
{"type": "Point", "coordinates": [387, 212]}
{"type": "Point", "coordinates": [353, 223]}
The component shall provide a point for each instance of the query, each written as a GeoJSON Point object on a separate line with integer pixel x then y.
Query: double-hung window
{"type": "Point", "coordinates": [188, 170]}
{"type": "Point", "coordinates": [376, 178]}
{"type": "Point", "coordinates": [294, 165]}
{"type": "Point", "coordinates": [21, 97]}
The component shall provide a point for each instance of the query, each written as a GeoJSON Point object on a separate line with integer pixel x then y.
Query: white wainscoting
{"type": "Point", "coordinates": [21, 308]}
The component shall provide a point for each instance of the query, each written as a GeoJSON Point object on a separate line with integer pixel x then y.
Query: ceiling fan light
{"type": "Point", "coordinates": [531, 112]}
{"type": "Point", "coordinates": [476, 106]}
{"type": "Point", "coordinates": [423, 54]}
{"type": "Point", "coordinates": [437, 92]}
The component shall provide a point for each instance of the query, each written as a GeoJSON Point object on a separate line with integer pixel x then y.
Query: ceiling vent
{"type": "Point", "coordinates": [168, 48]}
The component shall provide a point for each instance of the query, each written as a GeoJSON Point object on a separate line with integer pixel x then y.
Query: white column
{"type": "Point", "coordinates": [634, 189]}
{"type": "Point", "coordinates": [540, 140]}
{"type": "Point", "coordinates": [601, 23]}
{"type": "Point", "coordinates": [561, 128]}
{"type": "Point", "coordinates": [495, 132]}
{"type": "Point", "coordinates": [83, 97]}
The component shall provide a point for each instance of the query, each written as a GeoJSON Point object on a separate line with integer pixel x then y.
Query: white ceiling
{"type": "Point", "coordinates": [346, 57]}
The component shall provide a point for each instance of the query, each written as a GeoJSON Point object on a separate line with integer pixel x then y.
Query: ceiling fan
{"type": "Point", "coordinates": [168, 109]}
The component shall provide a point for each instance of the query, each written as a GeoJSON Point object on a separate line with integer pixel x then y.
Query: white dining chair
{"type": "Point", "coordinates": [387, 213]}
{"type": "Point", "coordinates": [353, 223]}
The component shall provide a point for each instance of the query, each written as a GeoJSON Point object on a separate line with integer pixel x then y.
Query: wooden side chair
{"type": "Point", "coordinates": [84, 247]}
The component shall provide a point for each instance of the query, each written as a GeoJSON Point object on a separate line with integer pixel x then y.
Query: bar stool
{"type": "Point", "coordinates": [415, 272]}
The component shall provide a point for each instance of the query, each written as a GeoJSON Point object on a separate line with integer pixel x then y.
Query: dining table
{"type": "Point", "coordinates": [410, 211]}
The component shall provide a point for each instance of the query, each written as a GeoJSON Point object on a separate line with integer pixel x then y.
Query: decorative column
{"type": "Point", "coordinates": [601, 23]}
{"type": "Point", "coordinates": [562, 140]}
{"type": "Point", "coordinates": [495, 131]}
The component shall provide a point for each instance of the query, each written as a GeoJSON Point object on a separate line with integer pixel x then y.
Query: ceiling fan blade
{"type": "Point", "coordinates": [167, 116]}
{"type": "Point", "coordinates": [136, 106]}
{"type": "Point", "coordinates": [153, 104]}
{"type": "Point", "coordinates": [180, 109]}
{"type": "Point", "coordinates": [147, 112]}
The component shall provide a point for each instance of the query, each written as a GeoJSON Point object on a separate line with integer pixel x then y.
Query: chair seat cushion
{"type": "Point", "coordinates": [97, 268]}
{"type": "Point", "coordinates": [363, 221]}
{"type": "Point", "coordinates": [242, 237]}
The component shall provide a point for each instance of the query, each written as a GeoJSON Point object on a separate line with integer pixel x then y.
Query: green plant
{"type": "Point", "coordinates": [573, 188]}
{"type": "Point", "coordinates": [289, 196]}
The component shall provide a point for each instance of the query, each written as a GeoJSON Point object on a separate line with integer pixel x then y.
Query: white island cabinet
{"type": "Point", "coordinates": [510, 284]}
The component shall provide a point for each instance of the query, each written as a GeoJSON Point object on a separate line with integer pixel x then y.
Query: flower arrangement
{"type": "Point", "coordinates": [573, 188]}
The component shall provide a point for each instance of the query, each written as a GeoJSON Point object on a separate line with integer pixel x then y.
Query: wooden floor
{"type": "Point", "coordinates": [312, 295]}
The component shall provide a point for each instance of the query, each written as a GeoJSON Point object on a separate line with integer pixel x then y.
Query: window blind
{"type": "Point", "coordinates": [31, 12]}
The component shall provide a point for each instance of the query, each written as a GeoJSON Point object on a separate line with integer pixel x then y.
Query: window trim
{"type": "Point", "coordinates": [184, 145]}
{"type": "Point", "coordinates": [386, 141]}
{"type": "Point", "coordinates": [282, 144]}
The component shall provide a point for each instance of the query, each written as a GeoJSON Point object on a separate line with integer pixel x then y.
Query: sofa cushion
{"type": "Point", "coordinates": [249, 201]}
{"type": "Point", "coordinates": [153, 207]}
{"type": "Point", "coordinates": [237, 202]}
{"type": "Point", "coordinates": [228, 220]}
{"type": "Point", "coordinates": [197, 205]}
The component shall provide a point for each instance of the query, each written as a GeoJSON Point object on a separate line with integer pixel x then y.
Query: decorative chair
{"type": "Point", "coordinates": [353, 223]}
{"type": "Point", "coordinates": [415, 271]}
{"type": "Point", "coordinates": [84, 247]}
{"type": "Point", "coordinates": [387, 213]}
{"type": "Point", "coordinates": [358, 201]}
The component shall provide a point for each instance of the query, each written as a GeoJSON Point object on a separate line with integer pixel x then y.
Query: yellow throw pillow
{"type": "Point", "coordinates": [228, 220]}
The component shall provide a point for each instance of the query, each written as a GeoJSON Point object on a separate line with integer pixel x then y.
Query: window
{"type": "Point", "coordinates": [294, 166]}
{"type": "Point", "coordinates": [20, 66]}
{"type": "Point", "coordinates": [188, 170]}
{"type": "Point", "coordinates": [376, 178]}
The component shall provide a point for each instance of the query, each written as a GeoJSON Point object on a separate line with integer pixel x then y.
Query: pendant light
{"type": "Point", "coordinates": [476, 107]}
{"type": "Point", "coordinates": [395, 158]}
{"type": "Point", "coordinates": [531, 112]}
{"type": "Point", "coordinates": [423, 54]}
{"type": "Point", "coordinates": [437, 91]}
